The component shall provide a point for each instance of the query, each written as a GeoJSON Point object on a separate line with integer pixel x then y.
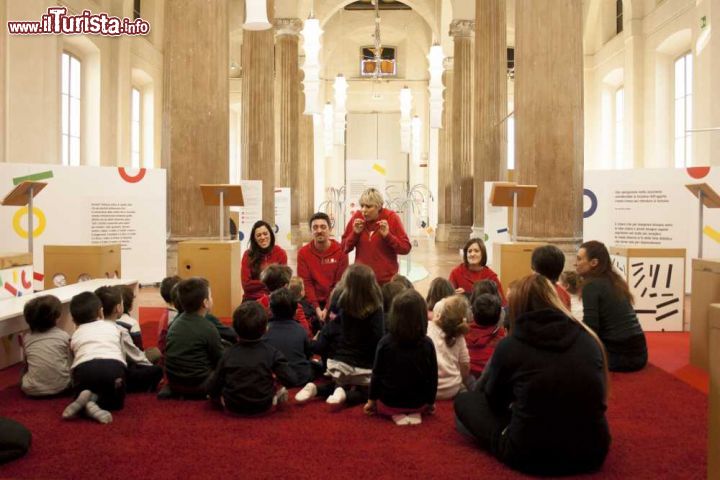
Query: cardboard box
{"type": "Point", "coordinates": [73, 263]}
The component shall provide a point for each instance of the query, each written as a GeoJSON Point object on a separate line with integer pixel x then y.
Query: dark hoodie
{"type": "Point", "coordinates": [549, 372]}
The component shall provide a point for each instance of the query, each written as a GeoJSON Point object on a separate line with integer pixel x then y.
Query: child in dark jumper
{"type": "Point", "coordinates": [275, 277]}
{"type": "Point", "coordinates": [405, 374]}
{"type": "Point", "coordinates": [243, 381]}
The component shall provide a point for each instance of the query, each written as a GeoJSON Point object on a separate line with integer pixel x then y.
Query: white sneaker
{"type": "Point", "coordinates": [414, 419]}
{"type": "Point", "coordinates": [338, 397]}
{"type": "Point", "coordinates": [400, 419]}
{"type": "Point", "coordinates": [306, 393]}
{"type": "Point", "coordinates": [281, 396]}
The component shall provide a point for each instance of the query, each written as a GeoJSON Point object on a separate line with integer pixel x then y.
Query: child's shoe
{"type": "Point", "coordinates": [306, 393]}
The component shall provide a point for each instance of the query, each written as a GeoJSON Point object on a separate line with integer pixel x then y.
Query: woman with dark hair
{"type": "Point", "coordinates": [608, 309]}
{"type": "Point", "coordinates": [261, 252]}
{"type": "Point", "coordinates": [540, 404]}
{"type": "Point", "coordinates": [473, 269]}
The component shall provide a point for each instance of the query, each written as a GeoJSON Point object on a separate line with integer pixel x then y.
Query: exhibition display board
{"type": "Point", "coordinates": [656, 278]}
{"type": "Point", "coordinates": [68, 264]}
{"type": "Point", "coordinates": [714, 394]}
{"type": "Point", "coordinates": [706, 278]}
{"type": "Point", "coordinates": [16, 274]}
{"type": "Point", "coordinates": [511, 261]}
{"type": "Point", "coordinates": [219, 262]}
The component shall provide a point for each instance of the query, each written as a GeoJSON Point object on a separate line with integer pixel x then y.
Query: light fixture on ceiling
{"type": "Point", "coordinates": [311, 34]}
{"type": "Point", "coordinates": [405, 118]}
{"type": "Point", "coordinates": [435, 85]}
{"type": "Point", "coordinates": [256, 15]}
{"type": "Point", "coordinates": [340, 87]}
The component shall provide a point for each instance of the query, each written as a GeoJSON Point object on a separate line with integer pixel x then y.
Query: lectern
{"type": "Point", "coordinates": [509, 194]}
{"type": "Point", "coordinates": [20, 196]}
{"type": "Point", "coordinates": [222, 195]}
{"type": "Point", "coordinates": [706, 197]}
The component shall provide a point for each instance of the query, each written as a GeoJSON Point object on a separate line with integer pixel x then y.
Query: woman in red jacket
{"type": "Point", "coordinates": [377, 235]}
{"type": "Point", "coordinates": [261, 252]}
{"type": "Point", "coordinates": [473, 269]}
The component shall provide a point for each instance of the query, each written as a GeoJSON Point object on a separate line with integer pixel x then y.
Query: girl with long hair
{"type": "Point", "coordinates": [540, 404]}
{"type": "Point", "coordinates": [608, 309]}
{"type": "Point", "coordinates": [261, 252]}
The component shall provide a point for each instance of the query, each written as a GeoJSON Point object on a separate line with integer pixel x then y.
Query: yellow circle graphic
{"type": "Point", "coordinates": [22, 233]}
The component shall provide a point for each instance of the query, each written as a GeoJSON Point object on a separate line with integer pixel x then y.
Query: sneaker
{"type": "Point", "coordinates": [400, 419]}
{"type": "Point", "coordinates": [281, 396]}
{"type": "Point", "coordinates": [338, 397]}
{"type": "Point", "coordinates": [77, 405]}
{"type": "Point", "coordinates": [414, 419]}
{"type": "Point", "coordinates": [306, 393]}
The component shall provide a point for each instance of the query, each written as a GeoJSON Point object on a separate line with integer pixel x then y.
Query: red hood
{"type": "Point", "coordinates": [479, 336]}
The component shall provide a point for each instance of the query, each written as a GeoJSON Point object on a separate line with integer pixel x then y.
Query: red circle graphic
{"type": "Point", "coordinates": [132, 179]}
{"type": "Point", "coordinates": [698, 172]}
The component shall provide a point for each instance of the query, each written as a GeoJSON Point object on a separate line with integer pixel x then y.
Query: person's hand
{"type": "Point", "coordinates": [383, 228]}
{"type": "Point", "coordinates": [459, 291]}
{"type": "Point", "coordinates": [358, 225]}
{"type": "Point", "coordinates": [320, 314]}
{"type": "Point", "coordinates": [370, 407]}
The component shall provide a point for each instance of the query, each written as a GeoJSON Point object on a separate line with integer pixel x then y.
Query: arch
{"type": "Point", "coordinates": [676, 43]}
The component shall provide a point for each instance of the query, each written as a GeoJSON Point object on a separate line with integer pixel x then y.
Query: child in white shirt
{"type": "Point", "coordinates": [447, 331]}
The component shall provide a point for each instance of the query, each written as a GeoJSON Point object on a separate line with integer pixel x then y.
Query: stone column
{"type": "Point", "coordinates": [445, 181]}
{"type": "Point", "coordinates": [305, 172]}
{"type": "Point", "coordinates": [490, 154]}
{"type": "Point", "coordinates": [549, 119]}
{"type": "Point", "coordinates": [462, 133]}
{"type": "Point", "coordinates": [287, 89]}
{"type": "Point", "coordinates": [195, 112]}
{"type": "Point", "coordinates": [258, 119]}
{"type": "Point", "coordinates": [3, 83]}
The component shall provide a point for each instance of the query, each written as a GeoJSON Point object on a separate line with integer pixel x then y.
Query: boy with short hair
{"type": "Point", "coordinates": [193, 344]}
{"type": "Point", "coordinates": [285, 334]}
{"type": "Point", "coordinates": [166, 292]}
{"type": "Point", "coordinates": [485, 332]}
{"type": "Point", "coordinates": [549, 261]}
{"type": "Point", "coordinates": [141, 374]}
{"type": "Point", "coordinates": [275, 277]}
{"type": "Point", "coordinates": [125, 320]}
{"type": "Point", "coordinates": [243, 381]}
{"type": "Point", "coordinates": [98, 367]}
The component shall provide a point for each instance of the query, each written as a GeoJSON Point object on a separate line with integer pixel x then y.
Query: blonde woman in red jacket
{"type": "Point", "coordinates": [377, 235]}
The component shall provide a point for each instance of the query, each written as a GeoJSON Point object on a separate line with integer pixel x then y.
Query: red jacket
{"type": "Point", "coordinates": [481, 342]}
{"type": "Point", "coordinates": [320, 271]}
{"type": "Point", "coordinates": [563, 294]}
{"type": "Point", "coordinates": [299, 317]}
{"type": "Point", "coordinates": [372, 249]}
{"type": "Point", "coordinates": [253, 288]}
{"type": "Point", "coordinates": [462, 277]}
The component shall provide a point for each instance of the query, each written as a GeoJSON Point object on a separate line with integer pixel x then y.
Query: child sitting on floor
{"type": "Point", "coordinates": [549, 261]}
{"type": "Point", "coordinates": [278, 276]}
{"type": "Point", "coordinates": [572, 282]}
{"type": "Point", "coordinates": [297, 288]}
{"type": "Point", "coordinates": [405, 374]}
{"type": "Point", "coordinates": [98, 367]}
{"type": "Point", "coordinates": [126, 321]}
{"type": "Point", "coordinates": [447, 332]}
{"type": "Point", "coordinates": [485, 331]}
{"type": "Point", "coordinates": [243, 382]}
{"type": "Point", "coordinates": [167, 290]}
{"type": "Point", "coordinates": [286, 335]}
{"type": "Point", "coordinates": [46, 349]}
{"type": "Point", "coordinates": [193, 344]}
{"type": "Point", "coordinates": [439, 288]}
{"type": "Point", "coordinates": [141, 374]}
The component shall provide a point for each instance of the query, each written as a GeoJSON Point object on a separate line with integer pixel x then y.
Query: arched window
{"type": "Point", "coordinates": [682, 112]}
{"type": "Point", "coordinates": [136, 121]}
{"type": "Point", "coordinates": [618, 16]}
{"type": "Point", "coordinates": [619, 127]}
{"type": "Point", "coordinates": [71, 79]}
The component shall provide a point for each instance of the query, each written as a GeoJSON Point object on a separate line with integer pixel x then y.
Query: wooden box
{"type": "Point", "coordinates": [705, 290]}
{"type": "Point", "coordinates": [68, 264]}
{"type": "Point", "coordinates": [511, 261]}
{"type": "Point", "coordinates": [656, 278]}
{"type": "Point", "coordinates": [219, 262]}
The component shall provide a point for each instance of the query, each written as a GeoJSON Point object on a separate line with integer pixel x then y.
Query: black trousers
{"type": "Point", "coordinates": [15, 440]}
{"type": "Point", "coordinates": [143, 378]}
{"type": "Point", "coordinates": [475, 417]}
{"type": "Point", "coordinates": [105, 378]}
{"type": "Point", "coordinates": [628, 355]}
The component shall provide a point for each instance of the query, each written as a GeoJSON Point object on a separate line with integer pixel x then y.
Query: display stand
{"type": "Point", "coordinates": [706, 197]}
{"type": "Point", "coordinates": [22, 195]}
{"type": "Point", "coordinates": [508, 194]}
{"type": "Point", "coordinates": [222, 195]}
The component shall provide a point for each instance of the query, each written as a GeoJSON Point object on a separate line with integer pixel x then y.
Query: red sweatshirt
{"type": "Point", "coordinates": [462, 277]}
{"type": "Point", "coordinates": [372, 249]}
{"type": "Point", "coordinates": [481, 342]}
{"type": "Point", "coordinates": [563, 294]}
{"type": "Point", "coordinates": [320, 271]}
{"type": "Point", "coordinates": [299, 317]}
{"type": "Point", "coordinates": [253, 288]}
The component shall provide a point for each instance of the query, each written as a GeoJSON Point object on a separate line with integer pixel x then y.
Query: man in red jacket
{"type": "Point", "coordinates": [320, 264]}
{"type": "Point", "coordinates": [377, 235]}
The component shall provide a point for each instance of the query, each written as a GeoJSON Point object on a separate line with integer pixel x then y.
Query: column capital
{"type": "Point", "coordinates": [462, 28]}
{"type": "Point", "coordinates": [448, 63]}
{"type": "Point", "coordinates": [287, 26]}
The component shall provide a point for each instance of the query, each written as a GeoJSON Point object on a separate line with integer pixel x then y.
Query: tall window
{"type": "Point", "coordinates": [618, 16]}
{"type": "Point", "coordinates": [135, 127]}
{"type": "Point", "coordinates": [511, 142]}
{"type": "Point", "coordinates": [683, 110]}
{"type": "Point", "coordinates": [70, 99]}
{"type": "Point", "coordinates": [619, 127]}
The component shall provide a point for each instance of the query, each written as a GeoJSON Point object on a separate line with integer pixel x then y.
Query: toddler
{"type": "Point", "coordinates": [447, 332]}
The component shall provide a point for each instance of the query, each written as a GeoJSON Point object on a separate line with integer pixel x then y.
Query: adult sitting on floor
{"type": "Point", "coordinates": [377, 235]}
{"type": "Point", "coordinates": [261, 252]}
{"type": "Point", "coordinates": [540, 404]}
{"type": "Point", "coordinates": [15, 440]}
{"type": "Point", "coordinates": [320, 264]}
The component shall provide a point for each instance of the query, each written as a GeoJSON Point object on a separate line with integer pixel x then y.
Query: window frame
{"type": "Point", "coordinates": [682, 118]}
{"type": "Point", "coordinates": [136, 122]}
{"type": "Point", "coordinates": [619, 126]}
{"type": "Point", "coordinates": [67, 120]}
